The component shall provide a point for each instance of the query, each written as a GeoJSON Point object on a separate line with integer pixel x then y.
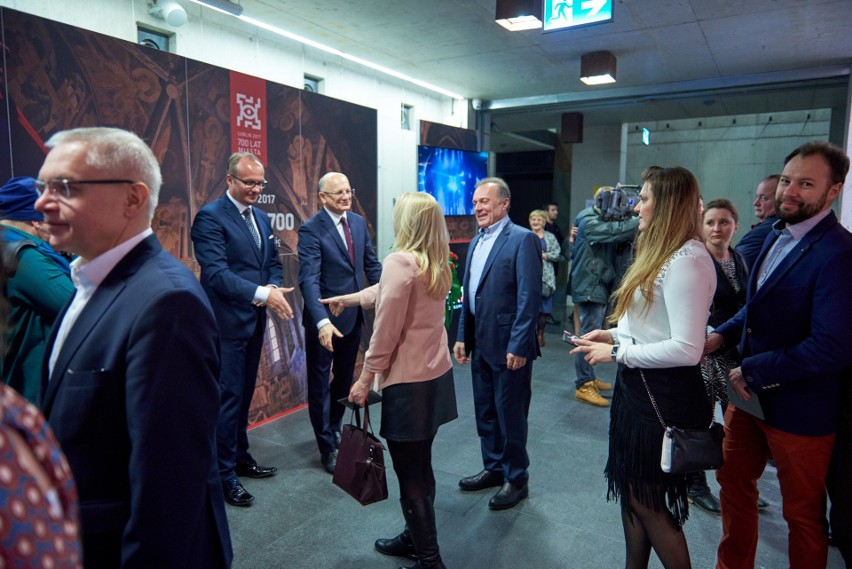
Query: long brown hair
{"type": "Point", "coordinates": [675, 219]}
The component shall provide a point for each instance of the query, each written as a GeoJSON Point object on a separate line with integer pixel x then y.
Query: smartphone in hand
{"type": "Point", "coordinates": [570, 338]}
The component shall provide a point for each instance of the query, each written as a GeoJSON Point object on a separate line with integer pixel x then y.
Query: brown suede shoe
{"type": "Point", "coordinates": [588, 393]}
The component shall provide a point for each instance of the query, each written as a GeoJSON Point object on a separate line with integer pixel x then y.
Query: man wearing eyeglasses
{"type": "Point", "coordinates": [130, 381]}
{"type": "Point", "coordinates": [335, 252]}
{"type": "Point", "coordinates": [241, 273]}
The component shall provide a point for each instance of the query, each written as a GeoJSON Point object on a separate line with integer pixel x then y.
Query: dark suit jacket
{"type": "Point", "coordinates": [752, 242]}
{"type": "Point", "coordinates": [325, 268]}
{"type": "Point", "coordinates": [508, 298]}
{"type": "Point", "coordinates": [133, 401]}
{"type": "Point", "coordinates": [232, 267]}
{"type": "Point", "coordinates": [797, 331]}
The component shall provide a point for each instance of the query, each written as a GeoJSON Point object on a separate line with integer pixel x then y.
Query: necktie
{"type": "Point", "coordinates": [348, 235]}
{"type": "Point", "coordinates": [252, 230]}
{"type": "Point", "coordinates": [774, 257]}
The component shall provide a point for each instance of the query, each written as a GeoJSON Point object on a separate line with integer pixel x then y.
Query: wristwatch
{"type": "Point", "coordinates": [614, 352]}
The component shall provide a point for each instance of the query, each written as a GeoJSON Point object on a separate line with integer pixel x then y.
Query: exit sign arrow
{"type": "Point", "coordinates": [594, 6]}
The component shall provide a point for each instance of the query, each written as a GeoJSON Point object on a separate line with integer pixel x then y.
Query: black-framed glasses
{"type": "Point", "coordinates": [341, 193]}
{"type": "Point", "coordinates": [62, 186]}
{"type": "Point", "coordinates": [251, 183]}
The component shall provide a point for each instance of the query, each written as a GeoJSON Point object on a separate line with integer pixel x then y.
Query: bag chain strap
{"type": "Point", "coordinates": [654, 401]}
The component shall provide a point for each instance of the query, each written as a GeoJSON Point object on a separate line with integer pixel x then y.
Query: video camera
{"type": "Point", "coordinates": [617, 204]}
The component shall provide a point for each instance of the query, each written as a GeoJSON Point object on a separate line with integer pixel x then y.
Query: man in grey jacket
{"type": "Point", "coordinates": [599, 244]}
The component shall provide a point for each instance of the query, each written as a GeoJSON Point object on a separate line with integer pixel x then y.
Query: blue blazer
{"type": "Point", "coordinates": [508, 298]}
{"type": "Point", "coordinates": [325, 268]}
{"type": "Point", "coordinates": [752, 242]}
{"type": "Point", "coordinates": [795, 333]}
{"type": "Point", "coordinates": [232, 267]}
{"type": "Point", "coordinates": [134, 401]}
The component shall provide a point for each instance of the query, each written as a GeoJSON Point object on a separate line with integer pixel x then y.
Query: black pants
{"type": "Point", "coordinates": [412, 462]}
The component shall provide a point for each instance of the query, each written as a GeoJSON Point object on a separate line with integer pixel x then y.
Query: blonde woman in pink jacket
{"type": "Point", "coordinates": [409, 354]}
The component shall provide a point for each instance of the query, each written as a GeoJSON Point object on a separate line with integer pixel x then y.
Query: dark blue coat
{"type": "Point", "coordinates": [796, 331]}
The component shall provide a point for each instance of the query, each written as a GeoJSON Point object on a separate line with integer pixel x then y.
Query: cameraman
{"type": "Point", "coordinates": [601, 252]}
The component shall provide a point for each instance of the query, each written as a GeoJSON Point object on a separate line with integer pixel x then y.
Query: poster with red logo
{"type": "Point", "coordinates": [248, 115]}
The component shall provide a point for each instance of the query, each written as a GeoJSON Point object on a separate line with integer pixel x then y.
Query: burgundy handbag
{"type": "Point", "coordinates": [360, 469]}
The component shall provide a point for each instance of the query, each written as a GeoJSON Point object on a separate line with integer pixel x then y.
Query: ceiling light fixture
{"type": "Point", "coordinates": [223, 6]}
{"type": "Point", "coordinates": [597, 68]}
{"type": "Point", "coordinates": [331, 50]}
{"type": "Point", "coordinates": [518, 15]}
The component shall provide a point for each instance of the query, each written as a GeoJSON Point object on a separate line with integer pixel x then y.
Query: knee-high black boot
{"type": "Point", "coordinates": [401, 545]}
{"type": "Point", "coordinates": [420, 520]}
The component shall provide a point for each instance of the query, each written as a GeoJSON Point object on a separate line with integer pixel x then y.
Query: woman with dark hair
{"type": "Point", "coordinates": [720, 221]}
{"type": "Point", "coordinates": [410, 354]}
{"type": "Point", "coordinates": [661, 308]}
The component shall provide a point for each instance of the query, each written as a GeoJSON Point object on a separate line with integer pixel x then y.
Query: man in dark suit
{"type": "Point", "coordinates": [335, 252]}
{"type": "Point", "coordinates": [241, 274]}
{"type": "Point", "coordinates": [502, 297]}
{"type": "Point", "coordinates": [130, 381]}
{"type": "Point", "coordinates": [795, 338]}
{"type": "Point", "coordinates": [764, 209]}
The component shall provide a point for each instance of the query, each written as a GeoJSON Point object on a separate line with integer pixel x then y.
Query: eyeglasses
{"type": "Point", "coordinates": [61, 187]}
{"type": "Point", "coordinates": [341, 193]}
{"type": "Point", "coordinates": [251, 183]}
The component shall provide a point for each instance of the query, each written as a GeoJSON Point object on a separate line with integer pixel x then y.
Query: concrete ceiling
{"type": "Point", "coordinates": [676, 58]}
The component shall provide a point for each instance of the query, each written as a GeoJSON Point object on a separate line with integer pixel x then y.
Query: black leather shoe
{"type": "Point", "coordinates": [399, 546]}
{"type": "Point", "coordinates": [481, 481]}
{"type": "Point", "coordinates": [329, 461]}
{"type": "Point", "coordinates": [508, 496]}
{"type": "Point", "coordinates": [337, 437]}
{"type": "Point", "coordinates": [255, 470]}
{"type": "Point", "coordinates": [707, 502]}
{"type": "Point", "coordinates": [235, 494]}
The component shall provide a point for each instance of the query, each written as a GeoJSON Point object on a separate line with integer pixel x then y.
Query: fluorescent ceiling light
{"type": "Point", "coordinates": [223, 6]}
{"type": "Point", "coordinates": [322, 47]}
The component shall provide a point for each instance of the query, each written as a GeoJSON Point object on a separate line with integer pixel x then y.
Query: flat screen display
{"type": "Point", "coordinates": [450, 176]}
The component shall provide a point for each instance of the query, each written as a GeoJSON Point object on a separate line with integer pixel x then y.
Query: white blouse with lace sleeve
{"type": "Point", "coordinates": [671, 332]}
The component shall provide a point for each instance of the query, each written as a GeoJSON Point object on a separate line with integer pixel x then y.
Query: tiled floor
{"type": "Point", "coordinates": [300, 520]}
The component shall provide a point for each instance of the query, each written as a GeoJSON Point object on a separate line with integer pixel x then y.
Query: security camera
{"type": "Point", "coordinates": [476, 104]}
{"type": "Point", "coordinates": [172, 12]}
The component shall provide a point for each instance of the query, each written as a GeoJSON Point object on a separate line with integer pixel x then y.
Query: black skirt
{"type": "Point", "coordinates": [414, 411]}
{"type": "Point", "coordinates": [636, 436]}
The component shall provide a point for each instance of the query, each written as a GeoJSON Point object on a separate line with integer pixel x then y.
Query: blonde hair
{"type": "Point", "coordinates": [538, 213]}
{"type": "Point", "coordinates": [675, 220]}
{"type": "Point", "coordinates": [421, 230]}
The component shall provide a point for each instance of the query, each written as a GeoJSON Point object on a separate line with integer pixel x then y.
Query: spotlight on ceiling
{"type": "Point", "coordinates": [224, 6]}
{"type": "Point", "coordinates": [597, 68]}
{"type": "Point", "coordinates": [172, 12]}
{"type": "Point", "coordinates": [518, 15]}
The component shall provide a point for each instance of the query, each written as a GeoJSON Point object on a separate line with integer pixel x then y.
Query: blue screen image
{"type": "Point", "coordinates": [450, 176]}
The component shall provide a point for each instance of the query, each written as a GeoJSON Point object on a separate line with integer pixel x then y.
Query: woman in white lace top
{"type": "Point", "coordinates": [661, 308]}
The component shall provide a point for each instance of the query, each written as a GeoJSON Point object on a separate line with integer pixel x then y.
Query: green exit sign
{"type": "Point", "coordinates": [562, 14]}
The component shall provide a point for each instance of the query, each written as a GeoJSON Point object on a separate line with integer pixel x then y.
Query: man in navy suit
{"type": "Point", "coordinates": [130, 378]}
{"type": "Point", "coordinates": [795, 339]}
{"type": "Point", "coordinates": [335, 252]}
{"type": "Point", "coordinates": [502, 297]}
{"type": "Point", "coordinates": [764, 208]}
{"type": "Point", "coordinates": [241, 274]}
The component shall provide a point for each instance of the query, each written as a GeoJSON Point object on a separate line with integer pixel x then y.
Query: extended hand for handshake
{"type": "Point", "coordinates": [277, 302]}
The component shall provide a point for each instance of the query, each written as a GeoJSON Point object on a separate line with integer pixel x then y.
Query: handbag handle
{"type": "Point", "coordinates": [356, 412]}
